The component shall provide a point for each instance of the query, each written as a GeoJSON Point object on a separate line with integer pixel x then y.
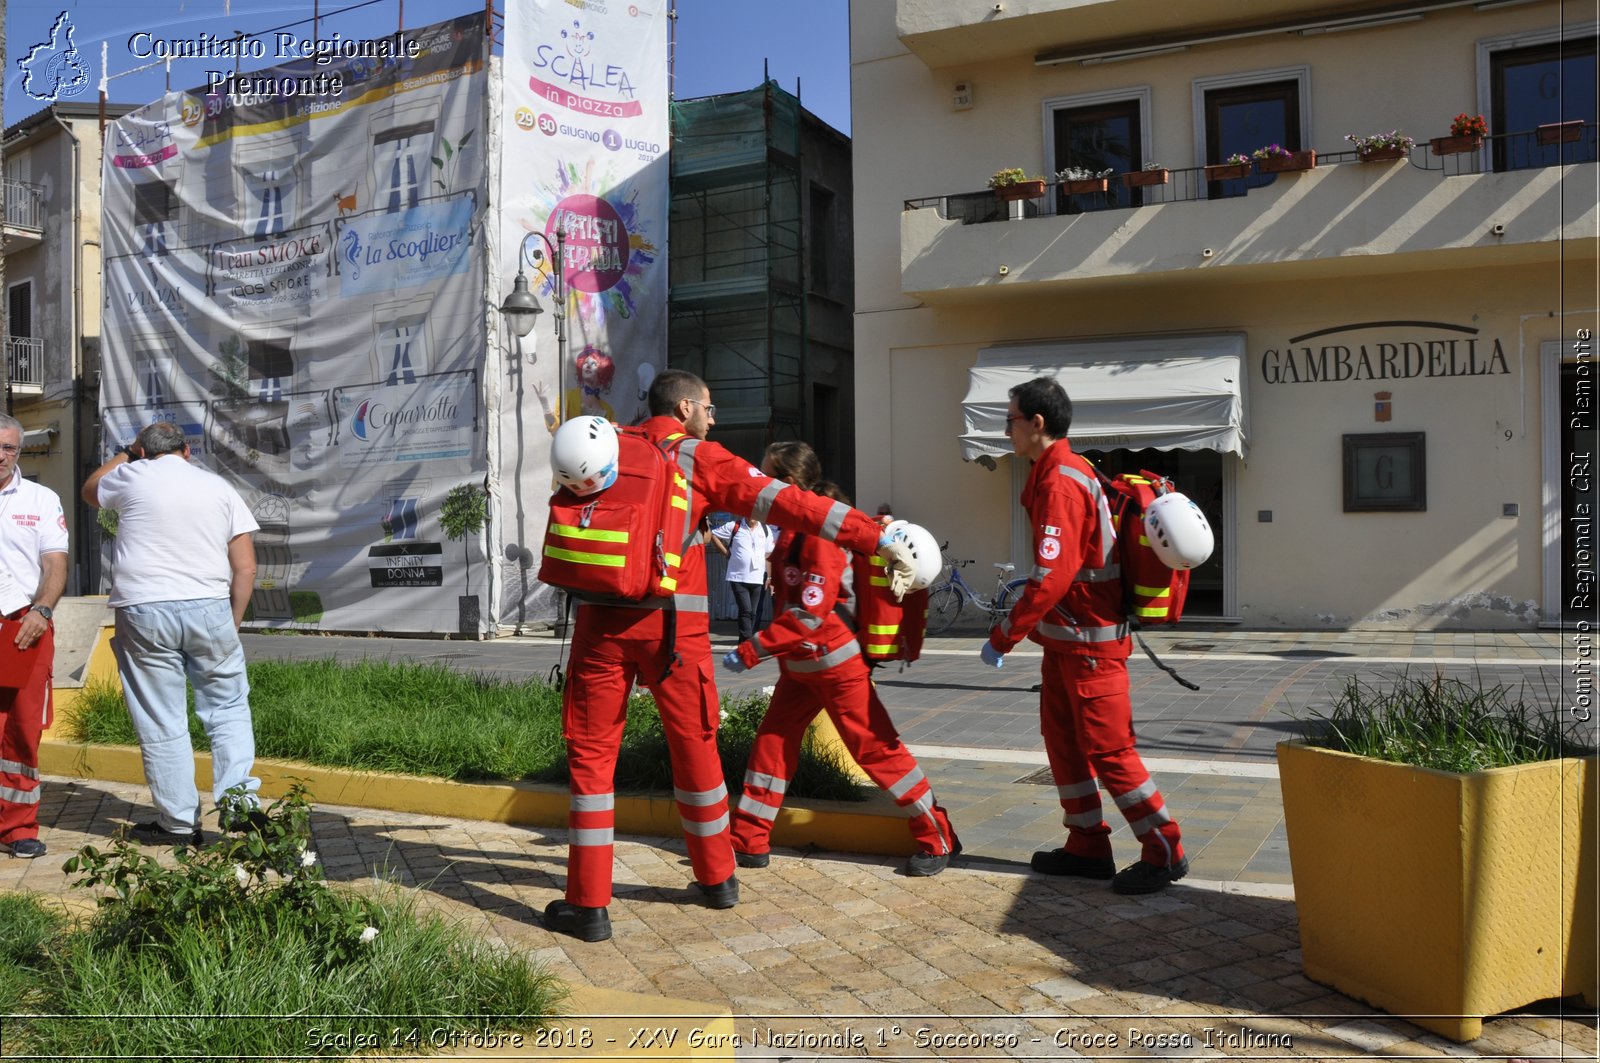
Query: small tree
{"type": "Point", "coordinates": [465, 508]}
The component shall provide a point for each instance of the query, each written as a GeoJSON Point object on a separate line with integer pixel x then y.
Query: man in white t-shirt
{"type": "Point", "coordinates": [746, 543]}
{"type": "Point", "coordinates": [33, 573]}
{"type": "Point", "coordinates": [183, 566]}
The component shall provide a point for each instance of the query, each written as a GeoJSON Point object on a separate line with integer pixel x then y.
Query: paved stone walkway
{"type": "Point", "coordinates": [830, 956]}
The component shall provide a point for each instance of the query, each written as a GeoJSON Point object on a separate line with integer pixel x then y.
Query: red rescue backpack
{"type": "Point", "coordinates": [624, 543]}
{"type": "Point", "coordinates": [1152, 593]}
{"type": "Point", "coordinates": [886, 629]}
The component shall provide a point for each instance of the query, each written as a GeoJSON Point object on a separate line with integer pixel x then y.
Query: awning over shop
{"type": "Point", "coordinates": [1156, 392]}
{"type": "Point", "coordinates": [38, 440]}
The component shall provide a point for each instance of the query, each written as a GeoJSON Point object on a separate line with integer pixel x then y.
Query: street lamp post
{"type": "Point", "coordinates": [520, 310]}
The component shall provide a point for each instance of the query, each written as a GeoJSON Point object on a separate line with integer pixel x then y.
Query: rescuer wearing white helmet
{"type": "Point", "coordinates": [1072, 606]}
{"type": "Point", "coordinates": [614, 644]}
{"type": "Point", "coordinates": [822, 669]}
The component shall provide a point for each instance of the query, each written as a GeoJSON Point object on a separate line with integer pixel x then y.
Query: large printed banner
{"type": "Point", "coordinates": [297, 278]}
{"type": "Point", "coordinates": [585, 130]}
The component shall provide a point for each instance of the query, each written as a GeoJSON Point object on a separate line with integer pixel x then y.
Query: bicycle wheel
{"type": "Point", "coordinates": [1008, 597]}
{"type": "Point", "coordinates": [944, 605]}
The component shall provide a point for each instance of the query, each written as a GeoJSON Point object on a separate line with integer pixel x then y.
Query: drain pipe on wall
{"type": "Point", "coordinates": [84, 517]}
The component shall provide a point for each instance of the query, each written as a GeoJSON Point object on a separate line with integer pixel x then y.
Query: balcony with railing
{"type": "Point", "coordinates": [23, 216]}
{"type": "Point", "coordinates": [25, 364]}
{"type": "Point", "coordinates": [1499, 198]}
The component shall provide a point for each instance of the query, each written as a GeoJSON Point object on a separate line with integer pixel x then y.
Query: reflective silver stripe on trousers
{"type": "Point", "coordinates": [1143, 792]}
{"type": "Point", "coordinates": [833, 523]}
{"type": "Point", "coordinates": [765, 498]}
{"type": "Point", "coordinates": [1113, 633]}
{"type": "Point", "coordinates": [827, 660]}
{"type": "Point", "coordinates": [684, 603]}
{"type": "Point", "coordinates": [16, 767]}
{"type": "Point", "coordinates": [751, 807]}
{"type": "Point", "coordinates": [581, 836]}
{"type": "Point", "coordinates": [701, 798]}
{"type": "Point", "coordinates": [1087, 788]}
{"type": "Point", "coordinates": [1090, 483]}
{"type": "Point", "coordinates": [906, 783]}
{"type": "Point", "coordinates": [1082, 819]}
{"type": "Point", "coordinates": [592, 802]}
{"type": "Point", "coordinates": [766, 782]}
{"type": "Point", "coordinates": [691, 529]}
{"type": "Point", "coordinates": [706, 829]}
{"type": "Point", "coordinates": [1150, 822]}
{"type": "Point", "coordinates": [19, 797]}
{"type": "Point", "coordinates": [1098, 575]}
{"type": "Point", "coordinates": [922, 805]}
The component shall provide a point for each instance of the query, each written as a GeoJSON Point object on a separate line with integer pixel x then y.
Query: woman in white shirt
{"type": "Point", "coordinates": [746, 544]}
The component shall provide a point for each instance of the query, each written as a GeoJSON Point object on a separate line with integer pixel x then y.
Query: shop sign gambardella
{"type": "Point", "coordinates": [1384, 350]}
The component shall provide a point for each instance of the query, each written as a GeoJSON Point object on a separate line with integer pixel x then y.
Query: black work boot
{"type": "Point", "coordinates": [574, 920]}
{"type": "Point", "coordinates": [1141, 877]}
{"type": "Point", "coordinates": [722, 895]}
{"type": "Point", "coordinates": [1061, 862]}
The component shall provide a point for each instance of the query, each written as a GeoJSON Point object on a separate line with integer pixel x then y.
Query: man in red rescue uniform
{"type": "Point", "coordinates": [614, 645]}
{"type": "Point", "coordinates": [1072, 606]}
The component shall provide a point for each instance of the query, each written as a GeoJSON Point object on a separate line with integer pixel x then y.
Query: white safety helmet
{"type": "Point", "coordinates": [926, 557]}
{"type": "Point", "coordinates": [1178, 531]}
{"type": "Point", "coordinates": [583, 454]}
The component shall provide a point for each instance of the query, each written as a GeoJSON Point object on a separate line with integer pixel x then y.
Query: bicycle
{"type": "Point", "coordinates": [947, 599]}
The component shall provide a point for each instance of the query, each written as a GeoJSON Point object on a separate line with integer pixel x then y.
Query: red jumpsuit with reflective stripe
{"type": "Point", "coordinates": [24, 714]}
{"type": "Point", "coordinates": [1072, 606]}
{"type": "Point", "coordinates": [614, 646]}
{"type": "Point", "coordinates": [823, 670]}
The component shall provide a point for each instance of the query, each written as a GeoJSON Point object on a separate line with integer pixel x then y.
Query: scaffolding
{"type": "Point", "coordinates": [738, 305]}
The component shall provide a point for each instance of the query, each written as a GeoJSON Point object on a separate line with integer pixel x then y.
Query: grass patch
{"type": "Point", "coordinates": [1446, 724]}
{"type": "Point", "coordinates": [242, 951]}
{"type": "Point", "coordinates": [414, 719]}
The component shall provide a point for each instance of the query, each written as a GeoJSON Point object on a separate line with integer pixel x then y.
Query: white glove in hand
{"type": "Point", "coordinates": [901, 570]}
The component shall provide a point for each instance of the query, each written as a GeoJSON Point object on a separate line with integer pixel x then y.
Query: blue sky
{"type": "Point", "coordinates": [721, 44]}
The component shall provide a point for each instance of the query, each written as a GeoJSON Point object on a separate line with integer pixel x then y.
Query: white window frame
{"type": "Point", "coordinates": [385, 316]}
{"type": "Point", "coordinates": [278, 153]}
{"type": "Point", "coordinates": [396, 115]}
{"type": "Point", "coordinates": [1301, 75]}
{"type": "Point", "coordinates": [1139, 94]}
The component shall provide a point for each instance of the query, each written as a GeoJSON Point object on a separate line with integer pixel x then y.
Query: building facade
{"type": "Point", "coordinates": [761, 268]}
{"type": "Point", "coordinates": [1375, 375]}
{"type": "Point", "coordinates": [53, 300]}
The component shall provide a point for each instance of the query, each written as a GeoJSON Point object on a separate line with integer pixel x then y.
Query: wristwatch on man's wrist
{"type": "Point", "coordinates": [44, 611]}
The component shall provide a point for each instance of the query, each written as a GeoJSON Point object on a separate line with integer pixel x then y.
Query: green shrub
{"type": "Point", "coordinates": [1441, 723]}
{"type": "Point", "coordinates": [241, 950]}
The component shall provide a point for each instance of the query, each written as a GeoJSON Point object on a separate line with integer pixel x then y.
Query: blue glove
{"type": "Point", "coordinates": [991, 655]}
{"type": "Point", "coordinates": [733, 662]}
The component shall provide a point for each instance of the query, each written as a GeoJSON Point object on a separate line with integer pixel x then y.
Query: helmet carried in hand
{"type": "Point", "coordinates": [927, 560]}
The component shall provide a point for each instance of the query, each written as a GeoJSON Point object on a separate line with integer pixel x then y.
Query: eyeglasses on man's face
{"type": "Point", "coordinates": [10, 448]}
{"type": "Point", "coordinates": [1012, 418]}
{"type": "Point", "coordinates": [709, 407]}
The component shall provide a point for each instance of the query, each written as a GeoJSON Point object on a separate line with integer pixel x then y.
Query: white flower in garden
{"type": "Point", "coordinates": [767, 692]}
{"type": "Point", "coordinates": [308, 858]}
{"type": "Point", "coordinates": [241, 876]}
{"type": "Point", "coordinates": [368, 934]}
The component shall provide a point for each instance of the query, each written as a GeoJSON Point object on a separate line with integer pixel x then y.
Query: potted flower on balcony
{"type": "Point", "coordinates": [1153, 174]}
{"type": "Point", "coordinates": [1013, 183]}
{"type": "Point", "coordinates": [1382, 147]}
{"type": "Point", "coordinates": [1466, 134]}
{"type": "Point", "coordinates": [1078, 180]}
{"type": "Point", "coordinates": [1275, 158]}
{"type": "Point", "coordinates": [1441, 844]}
{"type": "Point", "coordinates": [1233, 167]}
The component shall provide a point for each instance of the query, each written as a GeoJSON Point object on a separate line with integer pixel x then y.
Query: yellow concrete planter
{"type": "Point", "coordinates": [1440, 897]}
